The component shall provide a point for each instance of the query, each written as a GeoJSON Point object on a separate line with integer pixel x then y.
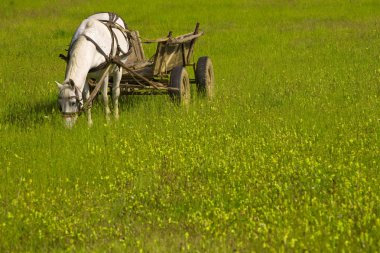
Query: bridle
{"type": "Point", "coordinates": [78, 102]}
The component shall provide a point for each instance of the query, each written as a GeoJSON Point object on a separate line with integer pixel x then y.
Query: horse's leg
{"type": "Point", "coordinates": [107, 110]}
{"type": "Point", "coordinates": [86, 95]}
{"type": "Point", "coordinates": [116, 92]}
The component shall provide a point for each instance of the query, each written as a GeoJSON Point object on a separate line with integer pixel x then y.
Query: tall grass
{"type": "Point", "coordinates": [285, 158]}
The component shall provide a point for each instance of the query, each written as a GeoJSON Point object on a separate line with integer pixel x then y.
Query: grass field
{"type": "Point", "coordinates": [285, 158]}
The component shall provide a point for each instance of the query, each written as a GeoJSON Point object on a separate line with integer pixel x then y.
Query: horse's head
{"type": "Point", "coordinates": [70, 101]}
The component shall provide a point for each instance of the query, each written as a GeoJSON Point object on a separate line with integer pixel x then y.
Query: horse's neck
{"type": "Point", "coordinates": [80, 63]}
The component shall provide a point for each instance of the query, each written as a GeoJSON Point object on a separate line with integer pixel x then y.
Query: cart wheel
{"type": "Point", "coordinates": [204, 74]}
{"type": "Point", "coordinates": [179, 79]}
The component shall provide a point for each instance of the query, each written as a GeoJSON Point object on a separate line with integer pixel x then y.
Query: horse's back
{"type": "Point", "coordinates": [105, 36]}
{"type": "Point", "coordinates": [104, 16]}
{"type": "Point", "coordinates": [107, 40]}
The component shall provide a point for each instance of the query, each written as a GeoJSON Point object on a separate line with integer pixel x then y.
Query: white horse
{"type": "Point", "coordinates": [94, 43]}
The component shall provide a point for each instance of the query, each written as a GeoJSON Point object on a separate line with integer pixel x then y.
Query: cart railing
{"type": "Point", "coordinates": [173, 52]}
{"type": "Point", "coordinates": [140, 72]}
{"type": "Point", "coordinates": [170, 52]}
{"type": "Point", "coordinates": [166, 73]}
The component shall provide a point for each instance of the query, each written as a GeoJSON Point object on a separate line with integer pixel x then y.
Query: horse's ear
{"type": "Point", "coordinates": [71, 82]}
{"type": "Point", "coordinates": [58, 85]}
{"type": "Point", "coordinates": [63, 57]}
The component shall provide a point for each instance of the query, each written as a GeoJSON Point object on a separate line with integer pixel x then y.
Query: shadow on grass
{"type": "Point", "coordinates": [45, 111]}
{"type": "Point", "coordinates": [31, 114]}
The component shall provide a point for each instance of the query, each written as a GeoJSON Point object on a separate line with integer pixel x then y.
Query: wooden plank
{"type": "Point", "coordinates": [135, 74]}
{"type": "Point", "coordinates": [185, 38]}
{"type": "Point", "coordinates": [170, 52]}
{"type": "Point", "coordinates": [137, 54]}
{"type": "Point", "coordinates": [176, 40]}
{"type": "Point", "coordinates": [191, 48]}
{"type": "Point", "coordinates": [169, 56]}
{"type": "Point", "coordinates": [155, 40]}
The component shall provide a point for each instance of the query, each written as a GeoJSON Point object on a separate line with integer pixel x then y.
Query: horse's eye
{"type": "Point", "coordinates": [73, 103]}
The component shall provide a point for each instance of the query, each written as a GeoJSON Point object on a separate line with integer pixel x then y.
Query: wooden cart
{"type": "Point", "coordinates": [165, 72]}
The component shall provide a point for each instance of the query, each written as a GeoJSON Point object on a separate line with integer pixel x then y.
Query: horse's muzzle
{"type": "Point", "coordinates": [69, 119]}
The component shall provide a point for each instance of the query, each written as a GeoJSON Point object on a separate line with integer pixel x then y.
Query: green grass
{"type": "Point", "coordinates": [285, 158]}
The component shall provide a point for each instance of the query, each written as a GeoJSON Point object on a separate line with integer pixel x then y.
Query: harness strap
{"type": "Point", "coordinates": [118, 48]}
{"type": "Point", "coordinates": [98, 48]}
{"type": "Point", "coordinates": [99, 67]}
{"type": "Point", "coordinates": [113, 36]}
{"type": "Point", "coordinates": [113, 17]}
{"type": "Point", "coordinates": [119, 51]}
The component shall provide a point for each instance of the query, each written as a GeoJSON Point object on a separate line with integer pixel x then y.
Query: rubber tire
{"type": "Point", "coordinates": [179, 78]}
{"type": "Point", "coordinates": [204, 75]}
